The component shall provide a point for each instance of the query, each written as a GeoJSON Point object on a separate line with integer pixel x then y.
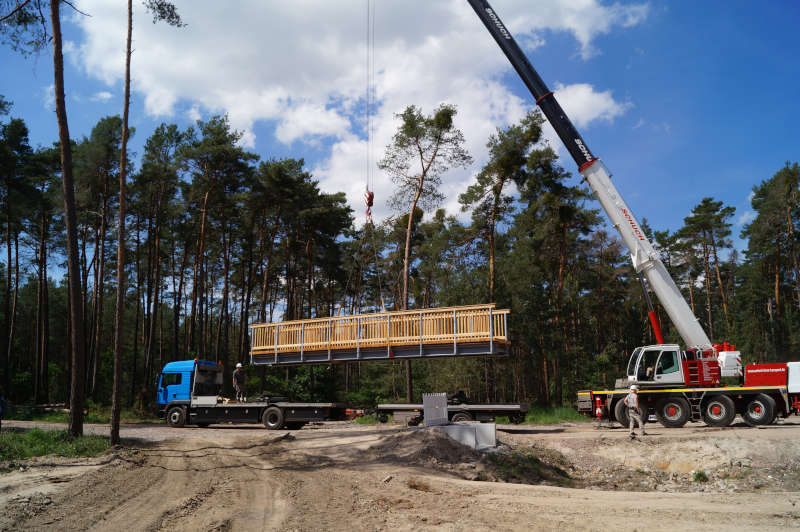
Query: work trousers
{"type": "Point", "coordinates": [635, 417]}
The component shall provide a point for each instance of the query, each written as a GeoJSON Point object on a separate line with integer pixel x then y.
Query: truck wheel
{"type": "Point", "coordinates": [759, 411]}
{"type": "Point", "coordinates": [673, 412]}
{"type": "Point", "coordinates": [719, 411]}
{"type": "Point", "coordinates": [621, 414]}
{"type": "Point", "coordinates": [273, 418]}
{"type": "Point", "coordinates": [461, 416]}
{"type": "Point", "coordinates": [176, 417]}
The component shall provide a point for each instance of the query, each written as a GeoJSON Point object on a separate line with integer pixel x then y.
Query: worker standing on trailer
{"type": "Point", "coordinates": [634, 411]}
{"type": "Point", "coordinates": [238, 383]}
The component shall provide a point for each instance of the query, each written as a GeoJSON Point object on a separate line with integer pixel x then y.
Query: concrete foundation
{"type": "Point", "coordinates": [479, 436]}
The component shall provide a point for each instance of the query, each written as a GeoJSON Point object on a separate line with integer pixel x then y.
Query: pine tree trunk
{"type": "Point", "coordinates": [120, 306]}
{"type": "Point", "coordinates": [76, 314]}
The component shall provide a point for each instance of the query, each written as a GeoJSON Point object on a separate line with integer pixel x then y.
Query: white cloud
{"type": "Point", "coordinates": [49, 97]}
{"type": "Point", "coordinates": [746, 217]}
{"type": "Point", "coordinates": [299, 67]}
{"type": "Point", "coordinates": [102, 96]}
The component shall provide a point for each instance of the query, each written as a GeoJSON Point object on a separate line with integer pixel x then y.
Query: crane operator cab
{"type": "Point", "coordinates": [657, 364]}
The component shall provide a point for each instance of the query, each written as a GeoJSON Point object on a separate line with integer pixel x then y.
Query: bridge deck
{"type": "Point", "coordinates": [440, 332]}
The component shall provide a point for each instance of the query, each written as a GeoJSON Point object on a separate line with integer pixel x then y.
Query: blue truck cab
{"type": "Point", "coordinates": [187, 383]}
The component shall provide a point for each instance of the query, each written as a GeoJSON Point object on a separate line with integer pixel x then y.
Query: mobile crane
{"type": "Point", "coordinates": [676, 385]}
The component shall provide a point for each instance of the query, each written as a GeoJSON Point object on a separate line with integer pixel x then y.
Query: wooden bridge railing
{"type": "Point", "coordinates": [451, 325]}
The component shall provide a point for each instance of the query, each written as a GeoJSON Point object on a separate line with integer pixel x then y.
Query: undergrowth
{"type": "Point", "coordinates": [36, 442]}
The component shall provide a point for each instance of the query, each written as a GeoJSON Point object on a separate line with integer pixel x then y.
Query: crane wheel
{"type": "Point", "coordinates": [621, 413]}
{"type": "Point", "coordinates": [673, 412]}
{"type": "Point", "coordinates": [719, 411]}
{"type": "Point", "coordinates": [760, 410]}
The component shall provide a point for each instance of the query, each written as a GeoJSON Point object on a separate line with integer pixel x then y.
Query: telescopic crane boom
{"type": "Point", "coordinates": [645, 259]}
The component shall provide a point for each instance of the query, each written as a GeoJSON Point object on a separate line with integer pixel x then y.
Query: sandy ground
{"type": "Point", "coordinates": [338, 476]}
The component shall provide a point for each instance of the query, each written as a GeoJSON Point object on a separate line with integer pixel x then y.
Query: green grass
{"type": "Point", "coordinates": [369, 419]}
{"type": "Point", "coordinates": [548, 415]}
{"type": "Point", "coordinates": [95, 414]}
{"type": "Point", "coordinates": [36, 442]}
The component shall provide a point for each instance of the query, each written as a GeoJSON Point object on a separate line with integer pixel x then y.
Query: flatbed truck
{"type": "Point", "coordinates": [188, 394]}
{"type": "Point", "coordinates": [412, 413]}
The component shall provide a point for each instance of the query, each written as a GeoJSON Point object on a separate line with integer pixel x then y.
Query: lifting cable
{"type": "Point", "coordinates": [369, 196]}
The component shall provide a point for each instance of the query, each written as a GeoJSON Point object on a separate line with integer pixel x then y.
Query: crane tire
{"type": "Point", "coordinates": [673, 412]}
{"type": "Point", "coordinates": [718, 411]}
{"type": "Point", "coordinates": [621, 413]}
{"type": "Point", "coordinates": [176, 417]}
{"type": "Point", "coordinates": [760, 410]}
{"type": "Point", "coordinates": [273, 418]}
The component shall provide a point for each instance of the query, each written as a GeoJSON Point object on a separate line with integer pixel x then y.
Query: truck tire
{"type": "Point", "coordinates": [176, 417]}
{"type": "Point", "coordinates": [760, 410]}
{"type": "Point", "coordinates": [273, 418]}
{"type": "Point", "coordinates": [461, 416]}
{"type": "Point", "coordinates": [621, 414]}
{"type": "Point", "coordinates": [673, 412]}
{"type": "Point", "coordinates": [719, 411]}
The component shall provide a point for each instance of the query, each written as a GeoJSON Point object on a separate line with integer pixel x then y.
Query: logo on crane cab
{"type": "Point", "coordinates": [496, 20]}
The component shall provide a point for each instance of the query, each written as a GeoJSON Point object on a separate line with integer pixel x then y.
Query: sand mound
{"type": "Point", "coordinates": [422, 447]}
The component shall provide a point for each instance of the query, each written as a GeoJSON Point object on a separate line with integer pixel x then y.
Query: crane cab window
{"type": "Point", "coordinates": [667, 362]}
{"type": "Point", "coordinates": [647, 365]}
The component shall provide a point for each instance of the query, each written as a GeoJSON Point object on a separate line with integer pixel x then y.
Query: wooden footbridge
{"type": "Point", "coordinates": [440, 332]}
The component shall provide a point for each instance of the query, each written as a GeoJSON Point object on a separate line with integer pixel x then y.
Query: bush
{"type": "Point", "coordinates": [37, 442]}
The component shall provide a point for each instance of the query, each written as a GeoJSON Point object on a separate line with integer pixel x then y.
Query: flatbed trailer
{"type": "Point", "coordinates": [413, 412]}
{"type": "Point", "coordinates": [188, 394]}
{"type": "Point", "coordinates": [674, 406]}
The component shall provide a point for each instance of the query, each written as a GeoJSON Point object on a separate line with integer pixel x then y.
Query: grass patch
{"type": "Point", "coordinates": [700, 476]}
{"type": "Point", "coordinates": [99, 414]}
{"type": "Point", "coordinates": [36, 442]}
{"type": "Point", "coordinates": [548, 415]}
{"type": "Point", "coordinates": [370, 419]}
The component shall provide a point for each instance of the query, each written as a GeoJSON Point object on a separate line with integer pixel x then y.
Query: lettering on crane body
{"type": "Point", "coordinates": [584, 149]}
{"type": "Point", "coordinates": [496, 20]}
{"type": "Point", "coordinates": [635, 227]}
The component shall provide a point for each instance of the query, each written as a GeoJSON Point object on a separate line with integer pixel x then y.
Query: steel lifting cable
{"type": "Point", "coordinates": [369, 196]}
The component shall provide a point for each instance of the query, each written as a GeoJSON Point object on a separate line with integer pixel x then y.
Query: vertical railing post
{"type": "Point", "coordinates": [277, 329]}
{"type": "Point", "coordinates": [505, 326]}
{"type": "Point", "coordinates": [491, 331]}
{"type": "Point", "coordinates": [455, 345]}
{"type": "Point", "coordinates": [358, 338]}
{"type": "Point", "coordinates": [330, 332]}
{"type": "Point", "coordinates": [302, 339]}
{"type": "Point", "coordinates": [388, 336]}
{"type": "Point", "coordinates": [420, 334]}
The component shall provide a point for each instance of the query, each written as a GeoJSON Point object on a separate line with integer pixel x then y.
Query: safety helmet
{"type": "Point", "coordinates": [238, 364]}
{"type": "Point", "coordinates": [634, 388]}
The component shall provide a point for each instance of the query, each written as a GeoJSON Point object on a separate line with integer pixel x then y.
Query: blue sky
{"type": "Point", "coordinates": [681, 100]}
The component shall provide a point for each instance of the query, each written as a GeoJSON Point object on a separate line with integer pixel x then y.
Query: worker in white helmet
{"type": "Point", "coordinates": [634, 411]}
{"type": "Point", "coordinates": [238, 383]}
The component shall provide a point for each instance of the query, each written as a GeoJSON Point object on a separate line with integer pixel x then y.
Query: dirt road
{"type": "Point", "coordinates": [345, 477]}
